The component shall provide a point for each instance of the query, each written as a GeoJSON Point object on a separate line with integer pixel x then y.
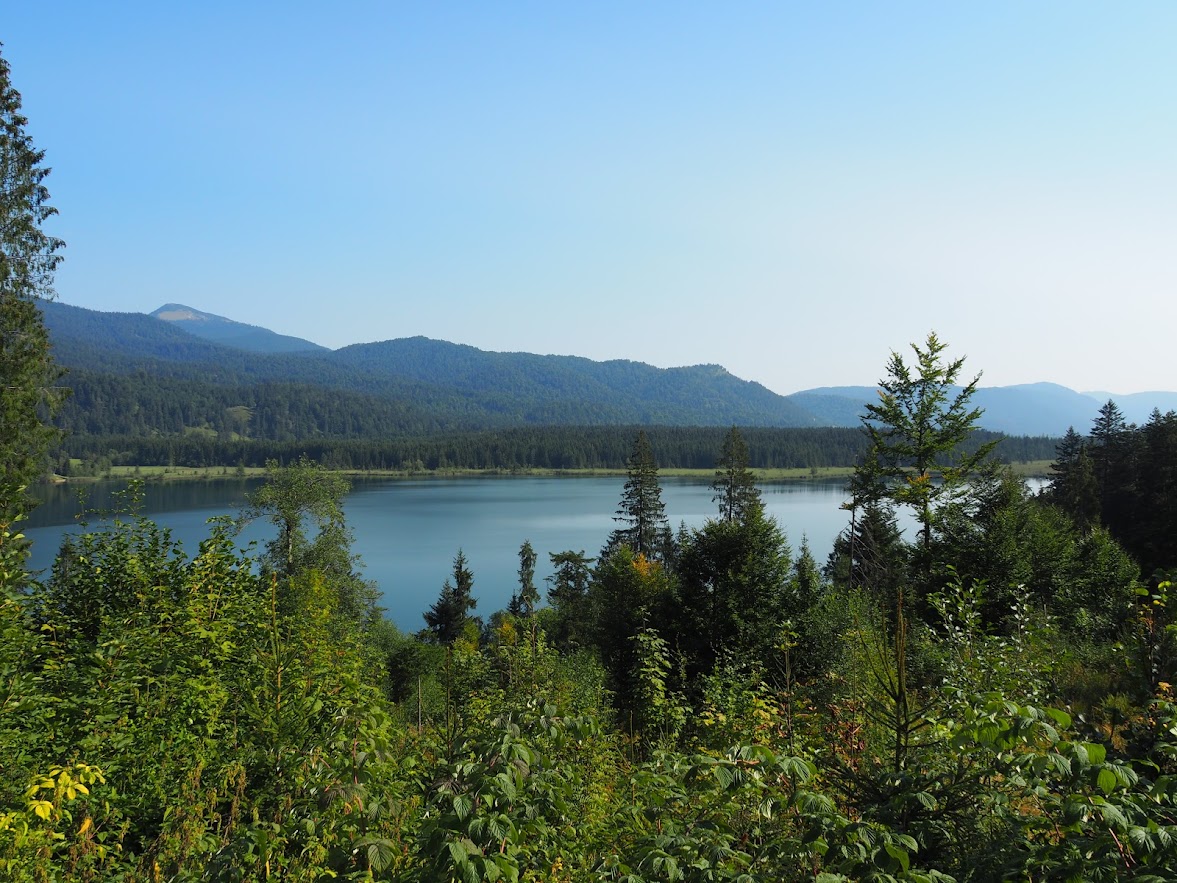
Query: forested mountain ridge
{"type": "Point", "coordinates": [422, 384]}
{"type": "Point", "coordinates": [460, 386]}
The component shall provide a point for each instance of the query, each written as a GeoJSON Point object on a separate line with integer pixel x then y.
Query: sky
{"type": "Point", "coordinates": [790, 190]}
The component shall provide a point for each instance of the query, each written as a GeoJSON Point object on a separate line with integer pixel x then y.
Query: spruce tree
{"type": "Point", "coordinates": [646, 530]}
{"type": "Point", "coordinates": [528, 595]}
{"type": "Point", "coordinates": [1073, 487]}
{"type": "Point", "coordinates": [734, 486]}
{"type": "Point", "coordinates": [447, 617]}
{"type": "Point", "coordinates": [28, 259]}
{"type": "Point", "coordinates": [916, 432]}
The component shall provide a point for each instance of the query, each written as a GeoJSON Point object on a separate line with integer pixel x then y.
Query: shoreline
{"type": "Point", "coordinates": [167, 474]}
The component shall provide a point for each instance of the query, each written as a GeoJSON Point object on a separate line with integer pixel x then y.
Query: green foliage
{"type": "Point", "coordinates": [733, 592]}
{"type": "Point", "coordinates": [28, 259]}
{"type": "Point", "coordinates": [628, 594]}
{"type": "Point", "coordinates": [524, 600]}
{"type": "Point", "coordinates": [734, 486]}
{"type": "Point", "coordinates": [1024, 549]}
{"type": "Point", "coordinates": [916, 432]}
{"type": "Point", "coordinates": [1072, 485]}
{"type": "Point", "coordinates": [174, 718]}
{"type": "Point", "coordinates": [870, 553]}
{"type": "Point", "coordinates": [568, 597]}
{"type": "Point", "coordinates": [659, 713]}
{"type": "Point", "coordinates": [231, 735]}
{"type": "Point", "coordinates": [641, 510]}
{"type": "Point", "coordinates": [513, 800]}
{"type": "Point", "coordinates": [448, 616]}
{"type": "Point", "coordinates": [293, 495]}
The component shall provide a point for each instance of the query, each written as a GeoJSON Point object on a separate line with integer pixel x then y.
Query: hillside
{"type": "Point", "coordinates": [458, 387]}
{"type": "Point", "coordinates": [143, 367]}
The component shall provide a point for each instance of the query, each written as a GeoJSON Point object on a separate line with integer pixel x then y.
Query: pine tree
{"type": "Point", "coordinates": [1113, 460]}
{"type": "Point", "coordinates": [28, 259]}
{"type": "Point", "coordinates": [1073, 487]}
{"type": "Point", "coordinates": [447, 617]}
{"type": "Point", "coordinates": [646, 530]}
{"type": "Point", "coordinates": [916, 432]}
{"type": "Point", "coordinates": [528, 593]}
{"type": "Point", "coordinates": [567, 595]}
{"type": "Point", "coordinates": [733, 591]}
{"type": "Point", "coordinates": [1157, 492]}
{"type": "Point", "coordinates": [734, 486]}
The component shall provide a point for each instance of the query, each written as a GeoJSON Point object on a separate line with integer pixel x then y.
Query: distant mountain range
{"type": "Point", "coordinates": [436, 384]}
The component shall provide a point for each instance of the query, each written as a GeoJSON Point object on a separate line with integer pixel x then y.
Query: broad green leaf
{"type": "Point", "coordinates": [1106, 781]}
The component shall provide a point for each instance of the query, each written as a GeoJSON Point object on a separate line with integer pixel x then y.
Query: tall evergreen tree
{"type": "Point", "coordinates": [646, 530]}
{"type": "Point", "coordinates": [870, 553]}
{"type": "Point", "coordinates": [448, 615]}
{"type": "Point", "coordinates": [1157, 492]}
{"type": "Point", "coordinates": [733, 592]}
{"type": "Point", "coordinates": [28, 259]}
{"type": "Point", "coordinates": [524, 600]}
{"type": "Point", "coordinates": [568, 594]}
{"type": "Point", "coordinates": [734, 486]}
{"type": "Point", "coordinates": [1113, 459]}
{"type": "Point", "coordinates": [916, 432]}
{"type": "Point", "coordinates": [1073, 487]}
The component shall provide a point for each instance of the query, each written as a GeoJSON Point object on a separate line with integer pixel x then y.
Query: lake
{"type": "Point", "coordinates": [407, 531]}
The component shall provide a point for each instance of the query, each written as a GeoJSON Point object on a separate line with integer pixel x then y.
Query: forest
{"type": "Point", "coordinates": [988, 698]}
{"type": "Point", "coordinates": [520, 448]}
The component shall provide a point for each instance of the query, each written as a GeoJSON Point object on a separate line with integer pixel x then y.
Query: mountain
{"type": "Point", "coordinates": [540, 387]}
{"type": "Point", "coordinates": [1023, 409]}
{"type": "Point", "coordinates": [230, 333]}
{"type": "Point", "coordinates": [419, 384]}
{"type": "Point", "coordinates": [461, 386]}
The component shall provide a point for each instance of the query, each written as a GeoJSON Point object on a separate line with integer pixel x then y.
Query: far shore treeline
{"type": "Point", "coordinates": [533, 447]}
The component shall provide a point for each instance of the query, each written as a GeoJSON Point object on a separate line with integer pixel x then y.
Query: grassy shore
{"type": "Point", "coordinates": [1032, 469]}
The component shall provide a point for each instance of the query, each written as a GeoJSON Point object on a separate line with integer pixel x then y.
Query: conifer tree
{"type": "Point", "coordinates": [916, 431]}
{"type": "Point", "coordinates": [734, 486]}
{"type": "Point", "coordinates": [646, 530]}
{"type": "Point", "coordinates": [28, 259]}
{"type": "Point", "coordinates": [448, 615]}
{"type": "Point", "coordinates": [567, 594]}
{"type": "Point", "coordinates": [1073, 487]}
{"type": "Point", "coordinates": [528, 593]}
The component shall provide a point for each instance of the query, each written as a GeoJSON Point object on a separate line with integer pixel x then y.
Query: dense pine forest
{"type": "Point", "coordinates": [543, 447]}
{"type": "Point", "coordinates": [987, 698]}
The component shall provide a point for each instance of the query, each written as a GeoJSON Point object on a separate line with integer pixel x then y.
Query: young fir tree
{"type": "Point", "coordinates": [447, 617]}
{"type": "Point", "coordinates": [567, 596]}
{"type": "Point", "coordinates": [646, 530]}
{"type": "Point", "coordinates": [917, 431]}
{"type": "Point", "coordinates": [28, 259]}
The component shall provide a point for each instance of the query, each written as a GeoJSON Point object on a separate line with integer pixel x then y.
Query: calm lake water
{"type": "Point", "coordinates": [408, 531]}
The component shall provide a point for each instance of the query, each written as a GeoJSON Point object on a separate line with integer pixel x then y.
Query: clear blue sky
{"type": "Point", "coordinates": [791, 190]}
